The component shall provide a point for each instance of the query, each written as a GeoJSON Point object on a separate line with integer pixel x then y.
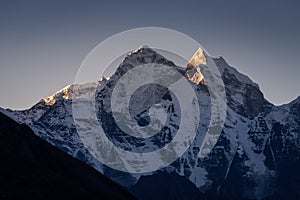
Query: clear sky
{"type": "Point", "coordinates": [42, 43]}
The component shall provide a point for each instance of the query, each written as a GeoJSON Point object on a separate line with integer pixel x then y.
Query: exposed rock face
{"type": "Point", "coordinates": [259, 141]}
{"type": "Point", "coordinates": [244, 96]}
{"type": "Point", "coordinates": [193, 72]}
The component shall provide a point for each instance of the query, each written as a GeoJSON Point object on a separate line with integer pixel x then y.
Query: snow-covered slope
{"type": "Point", "coordinates": [257, 139]}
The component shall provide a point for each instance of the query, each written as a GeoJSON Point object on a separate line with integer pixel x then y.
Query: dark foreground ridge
{"type": "Point", "coordinates": [166, 186]}
{"type": "Point", "coordinates": [33, 169]}
{"type": "Point", "coordinates": [257, 155]}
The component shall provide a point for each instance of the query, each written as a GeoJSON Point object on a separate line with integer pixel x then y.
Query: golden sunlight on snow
{"type": "Point", "coordinates": [49, 101]}
{"type": "Point", "coordinates": [193, 72]}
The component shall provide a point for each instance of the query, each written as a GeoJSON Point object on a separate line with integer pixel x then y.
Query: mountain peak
{"type": "Point", "coordinates": [143, 46]}
{"type": "Point", "coordinates": [63, 93]}
{"type": "Point", "coordinates": [143, 55]}
{"type": "Point", "coordinates": [251, 139]}
{"type": "Point", "coordinates": [193, 72]}
{"type": "Point", "coordinates": [198, 58]}
{"type": "Point", "coordinates": [83, 90]}
{"type": "Point", "coordinates": [142, 50]}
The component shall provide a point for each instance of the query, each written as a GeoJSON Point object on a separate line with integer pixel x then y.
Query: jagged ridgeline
{"type": "Point", "coordinates": [256, 156]}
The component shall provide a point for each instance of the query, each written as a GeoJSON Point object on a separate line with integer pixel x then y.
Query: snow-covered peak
{"type": "Point", "coordinates": [143, 49]}
{"type": "Point", "coordinates": [142, 55]}
{"type": "Point", "coordinates": [63, 93]}
{"type": "Point", "coordinates": [256, 137]}
{"type": "Point", "coordinates": [224, 67]}
{"type": "Point", "coordinates": [198, 58]}
{"type": "Point", "coordinates": [193, 72]}
{"type": "Point", "coordinates": [82, 91]}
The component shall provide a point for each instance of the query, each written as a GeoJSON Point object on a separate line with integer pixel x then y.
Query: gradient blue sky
{"type": "Point", "coordinates": [42, 43]}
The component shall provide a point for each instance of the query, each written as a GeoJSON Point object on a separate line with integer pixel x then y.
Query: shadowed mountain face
{"type": "Point", "coordinates": [33, 169]}
{"type": "Point", "coordinates": [166, 186]}
{"type": "Point", "coordinates": [255, 156]}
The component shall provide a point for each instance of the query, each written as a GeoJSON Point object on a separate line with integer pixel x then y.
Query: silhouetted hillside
{"type": "Point", "coordinates": [33, 169]}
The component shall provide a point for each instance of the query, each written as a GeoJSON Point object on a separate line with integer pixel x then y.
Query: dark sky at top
{"type": "Point", "coordinates": [42, 43]}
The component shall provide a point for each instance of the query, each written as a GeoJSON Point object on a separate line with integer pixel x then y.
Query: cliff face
{"type": "Point", "coordinates": [258, 143]}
